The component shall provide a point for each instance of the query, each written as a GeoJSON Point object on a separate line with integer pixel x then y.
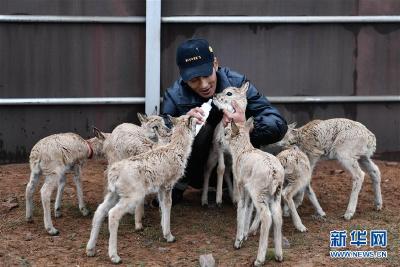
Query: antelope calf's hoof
{"type": "Point", "coordinates": [170, 238]}
{"type": "Point", "coordinates": [53, 231]}
{"type": "Point", "coordinates": [348, 215]}
{"type": "Point", "coordinates": [238, 244]}
{"type": "Point", "coordinates": [90, 252]}
{"type": "Point", "coordinates": [85, 211]}
{"type": "Point", "coordinates": [115, 259]}
{"type": "Point", "coordinates": [258, 263]}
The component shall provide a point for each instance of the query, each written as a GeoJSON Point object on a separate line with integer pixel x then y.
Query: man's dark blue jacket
{"type": "Point", "coordinates": [269, 125]}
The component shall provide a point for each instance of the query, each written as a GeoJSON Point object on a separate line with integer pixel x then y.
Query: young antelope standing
{"type": "Point", "coordinates": [130, 180]}
{"type": "Point", "coordinates": [350, 142]}
{"type": "Point", "coordinates": [297, 181]}
{"type": "Point", "coordinates": [259, 179]}
{"type": "Point", "coordinates": [220, 149]}
{"type": "Point", "coordinates": [52, 157]}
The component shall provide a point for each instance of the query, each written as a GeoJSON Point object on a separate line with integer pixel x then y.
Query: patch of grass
{"type": "Point", "coordinates": [202, 250]}
{"type": "Point", "coordinates": [179, 211]}
{"type": "Point", "coordinates": [24, 262]}
{"type": "Point", "coordinates": [287, 256]}
{"type": "Point", "coordinates": [151, 233]}
{"type": "Point", "coordinates": [270, 255]}
{"type": "Point", "coordinates": [104, 231]}
{"type": "Point", "coordinates": [226, 236]}
{"type": "Point", "coordinates": [37, 209]}
{"type": "Point", "coordinates": [72, 236]}
{"type": "Point", "coordinates": [128, 220]}
{"type": "Point", "coordinates": [355, 227]}
{"type": "Point", "coordinates": [71, 208]}
{"type": "Point", "coordinates": [202, 227]}
{"type": "Point", "coordinates": [92, 206]}
{"type": "Point", "coordinates": [383, 216]}
{"type": "Point", "coordinates": [297, 240]}
{"type": "Point", "coordinates": [393, 244]}
{"type": "Point", "coordinates": [14, 224]}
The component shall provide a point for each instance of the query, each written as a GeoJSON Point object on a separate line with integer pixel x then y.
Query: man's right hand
{"type": "Point", "coordinates": [198, 113]}
{"type": "Point", "coordinates": [238, 116]}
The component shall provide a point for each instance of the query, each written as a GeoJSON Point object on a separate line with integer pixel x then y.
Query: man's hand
{"type": "Point", "coordinates": [238, 116]}
{"type": "Point", "coordinates": [198, 113]}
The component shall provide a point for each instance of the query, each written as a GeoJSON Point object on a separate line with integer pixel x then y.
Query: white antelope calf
{"type": "Point", "coordinates": [259, 177]}
{"type": "Point", "coordinates": [220, 148]}
{"type": "Point", "coordinates": [130, 180]}
{"type": "Point", "coordinates": [350, 142]}
{"type": "Point", "coordinates": [297, 181]}
{"type": "Point", "coordinates": [127, 140]}
{"type": "Point", "coordinates": [52, 157]}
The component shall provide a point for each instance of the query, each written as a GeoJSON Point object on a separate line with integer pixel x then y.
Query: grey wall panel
{"type": "Point", "coordinates": [280, 7]}
{"type": "Point", "coordinates": [382, 7]}
{"type": "Point", "coordinates": [74, 7]}
{"type": "Point", "coordinates": [72, 60]}
{"type": "Point", "coordinates": [259, 7]}
{"type": "Point", "coordinates": [378, 60]}
{"type": "Point", "coordinates": [381, 119]}
{"type": "Point", "coordinates": [281, 60]}
{"type": "Point", "coordinates": [22, 126]}
{"type": "Point", "coordinates": [384, 121]}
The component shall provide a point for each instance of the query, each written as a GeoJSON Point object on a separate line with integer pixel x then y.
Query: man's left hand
{"type": "Point", "coordinates": [238, 116]}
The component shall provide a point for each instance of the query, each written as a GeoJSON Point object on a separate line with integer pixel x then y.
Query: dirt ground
{"type": "Point", "coordinates": [197, 230]}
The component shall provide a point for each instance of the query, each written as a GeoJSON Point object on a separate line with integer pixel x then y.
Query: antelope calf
{"type": "Point", "coordinates": [130, 180]}
{"type": "Point", "coordinates": [259, 179]}
{"type": "Point", "coordinates": [52, 157]}
{"type": "Point", "coordinates": [220, 149]}
{"type": "Point", "coordinates": [297, 181]}
{"type": "Point", "coordinates": [350, 142]}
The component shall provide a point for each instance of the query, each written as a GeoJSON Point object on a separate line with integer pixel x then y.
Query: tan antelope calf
{"type": "Point", "coordinates": [350, 142]}
{"type": "Point", "coordinates": [127, 140]}
{"type": "Point", "coordinates": [220, 149]}
{"type": "Point", "coordinates": [259, 177]}
{"type": "Point", "coordinates": [297, 181]}
{"type": "Point", "coordinates": [52, 157]}
{"type": "Point", "coordinates": [130, 180]}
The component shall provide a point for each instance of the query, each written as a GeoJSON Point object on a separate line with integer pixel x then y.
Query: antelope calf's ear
{"type": "Point", "coordinates": [142, 117]}
{"type": "Point", "coordinates": [98, 133]}
{"type": "Point", "coordinates": [292, 125]}
{"type": "Point", "coordinates": [249, 125]}
{"type": "Point", "coordinates": [173, 120]}
{"type": "Point", "coordinates": [245, 87]}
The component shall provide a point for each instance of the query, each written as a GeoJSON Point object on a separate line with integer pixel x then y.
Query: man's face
{"type": "Point", "coordinates": [205, 86]}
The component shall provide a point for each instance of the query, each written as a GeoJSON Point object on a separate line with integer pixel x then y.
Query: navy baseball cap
{"type": "Point", "coordinates": [194, 58]}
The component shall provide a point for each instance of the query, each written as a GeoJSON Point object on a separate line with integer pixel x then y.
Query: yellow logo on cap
{"type": "Point", "coordinates": [210, 48]}
{"type": "Point", "coordinates": [192, 58]}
